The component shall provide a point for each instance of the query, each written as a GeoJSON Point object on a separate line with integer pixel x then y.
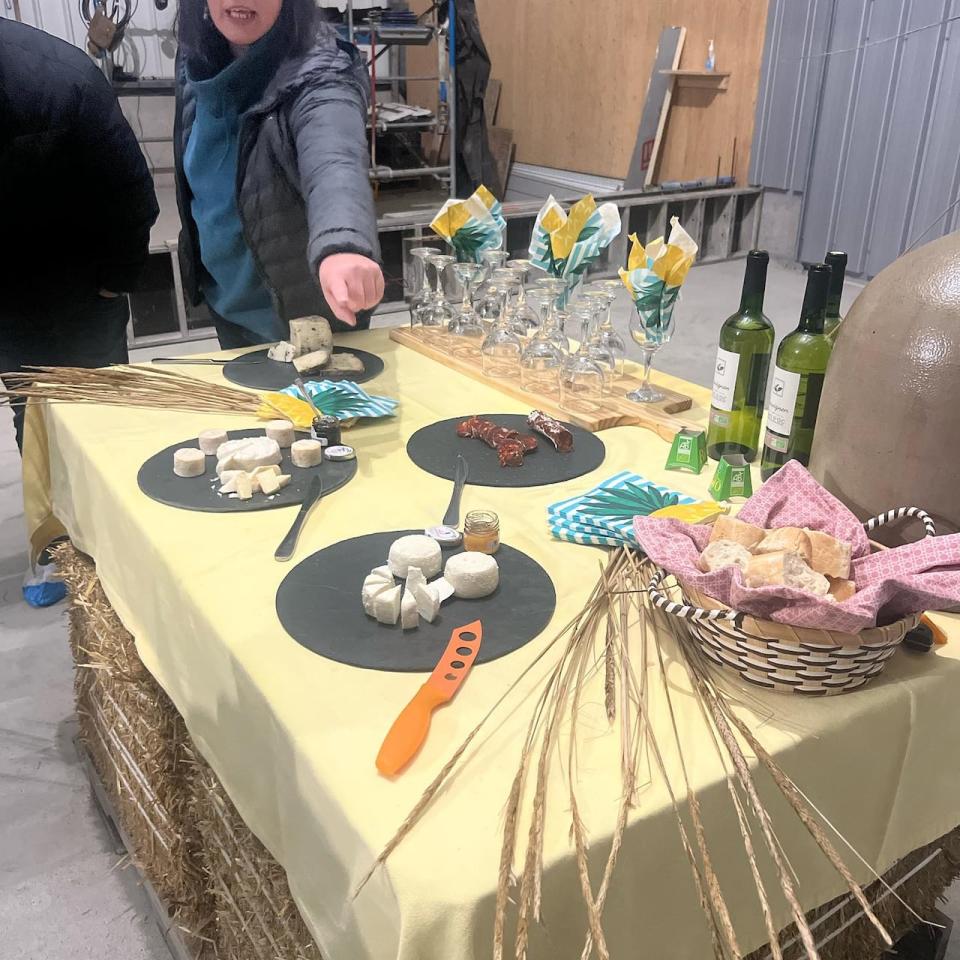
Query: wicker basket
{"type": "Point", "coordinates": [780, 657]}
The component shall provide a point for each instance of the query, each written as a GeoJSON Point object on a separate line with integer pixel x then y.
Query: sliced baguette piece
{"type": "Point", "coordinates": [788, 539]}
{"type": "Point", "coordinates": [730, 528]}
{"type": "Point", "coordinates": [784, 569]}
{"type": "Point", "coordinates": [724, 553]}
{"type": "Point", "coordinates": [829, 556]}
{"type": "Point", "coordinates": [841, 589]}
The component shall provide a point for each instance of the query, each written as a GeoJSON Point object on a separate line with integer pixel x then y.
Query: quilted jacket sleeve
{"type": "Point", "coordinates": [328, 121]}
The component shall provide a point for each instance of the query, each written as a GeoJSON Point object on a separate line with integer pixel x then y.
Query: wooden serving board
{"type": "Point", "coordinates": [614, 410]}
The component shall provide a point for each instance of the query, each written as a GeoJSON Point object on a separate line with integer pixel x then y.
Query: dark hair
{"type": "Point", "coordinates": [207, 51]}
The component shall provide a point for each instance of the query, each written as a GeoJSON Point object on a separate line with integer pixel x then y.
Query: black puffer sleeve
{"type": "Point", "coordinates": [329, 120]}
{"type": "Point", "coordinates": [114, 174]}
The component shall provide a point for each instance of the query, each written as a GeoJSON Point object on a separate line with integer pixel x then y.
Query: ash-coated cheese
{"type": "Point", "coordinates": [415, 550]}
{"type": "Point", "coordinates": [281, 431]}
{"type": "Point", "coordinates": [282, 351]}
{"type": "Point", "coordinates": [210, 440]}
{"type": "Point", "coordinates": [306, 453]}
{"type": "Point", "coordinates": [472, 574]}
{"type": "Point", "coordinates": [189, 462]}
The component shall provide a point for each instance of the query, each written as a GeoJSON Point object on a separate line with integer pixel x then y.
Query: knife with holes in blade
{"type": "Point", "coordinates": [409, 730]}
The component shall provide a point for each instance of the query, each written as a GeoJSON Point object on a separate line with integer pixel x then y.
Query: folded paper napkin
{"type": "Point", "coordinates": [603, 516]}
{"type": "Point", "coordinates": [344, 399]}
{"type": "Point", "coordinates": [891, 584]}
{"type": "Point", "coordinates": [564, 245]}
{"type": "Point", "coordinates": [471, 226]}
{"type": "Point", "coordinates": [655, 274]}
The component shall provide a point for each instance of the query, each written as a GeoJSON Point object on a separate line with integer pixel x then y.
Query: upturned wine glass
{"type": "Point", "coordinates": [555, 318]}
{"type": "Point", "coordinates": [650, 331]}
{"type": "Point", "coordinates": [605, 346]}
{"type": "Point", "coordinates": [523, 317]}
{"type": "Point", "coordinates": [501, 348]}
{"type": "Point", "coordinates": [438, 312]}
{"type": "Point", "coordinates": [582, 378]}
{"type": "Point", "coordinates": [466, 323]}
{"type": "Point", "coordinates": [421, 299]}
{"type": "Point", "coordinates": [541, 362]}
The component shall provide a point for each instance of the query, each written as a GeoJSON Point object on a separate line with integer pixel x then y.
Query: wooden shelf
{"type": "Point", "coordinates": [707, 79]}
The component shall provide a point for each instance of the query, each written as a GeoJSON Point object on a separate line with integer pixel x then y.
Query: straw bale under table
{"type": "Point", "coordinates": [220, 882]}
{"type": "Point", "coordinates": [137, 742]}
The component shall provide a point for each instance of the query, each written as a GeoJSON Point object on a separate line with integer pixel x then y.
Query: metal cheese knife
{"type": "Point", "coordinates": [452, 517]}
{"type": "Point", "coordinates": [198, 360]}
{"type": "Point", "coordinates": [289, 542]}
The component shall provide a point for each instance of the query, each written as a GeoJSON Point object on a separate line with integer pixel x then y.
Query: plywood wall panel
{"type": "Point", "coordinates": [575, 74]}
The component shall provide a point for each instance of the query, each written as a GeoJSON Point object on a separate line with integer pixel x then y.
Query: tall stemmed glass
{"type": "Point", "coordinates": [600, 347]}
{"type": "Point", "coordinates": [541, 363]}
{"type": "Point", "coordinates": [607, 334]}
{"type": "Point", "coordinates": [650, 332]}
{"type": "Point", "coordinates": [555, 319]}
{"type": "Point", "coordinates": [466, 323]}
{"type": "Point", "coordinates": [583, 377]}
{"type": "Point", "coordinates": [438, 312]}
{"type": "Point", "coordinates": [491, 304]}
{"type": "Point", "coordinates": [501, 348]}
{"type": "Point", "coordinates": [523, 318]}
{"type": "Point", "coordinates": [420, 301]}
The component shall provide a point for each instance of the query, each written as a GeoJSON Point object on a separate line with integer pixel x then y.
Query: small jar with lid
{"type": "Point", "coordinates": [481, 531]}
{"type": "Point", "coordinates": [327, 431]}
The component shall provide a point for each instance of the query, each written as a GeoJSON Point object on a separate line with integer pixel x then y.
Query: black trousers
{"type": "Point", "coordinates": [86, 332]}
{"type": "Point", "coordinates": [232, 336]}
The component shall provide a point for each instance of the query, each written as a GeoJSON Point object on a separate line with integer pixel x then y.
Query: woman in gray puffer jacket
{"type": "Point", "coordinates": [271, 169]}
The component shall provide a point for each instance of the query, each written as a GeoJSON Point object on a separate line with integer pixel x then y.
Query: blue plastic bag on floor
{"type": "Point", "coordinates": [43, 586]}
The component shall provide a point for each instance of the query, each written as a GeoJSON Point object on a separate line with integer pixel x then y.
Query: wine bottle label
{"type": "Point", "coordinates": [725, 379]}
{"type": "Point", "coordinates": [773, 441]}
{"type": "Point", "coordinates": [783, 401]}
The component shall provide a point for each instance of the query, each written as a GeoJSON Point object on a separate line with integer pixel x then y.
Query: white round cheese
{"type": "Point", "coordinates": [281, 431]}
{"type": "Point", "coordinates": [210, 440]}
{"type": "Point", "coordinates": [189, 462]}
{"type": "Point", "coordinates": [259, 452]}
{"type": "Point", "coordinates": [306, 453]}
{"type": "Point", "coordinates": [472, 575]}
{"type": "Point", "coordinates": [414, 550]}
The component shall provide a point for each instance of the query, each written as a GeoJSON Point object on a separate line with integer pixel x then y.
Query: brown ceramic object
{"type": "Point", "coordinates": [888, 432]}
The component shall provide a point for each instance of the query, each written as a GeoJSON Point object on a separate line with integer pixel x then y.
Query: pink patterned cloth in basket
{"type": "Point", "coordinates": [891, 584]}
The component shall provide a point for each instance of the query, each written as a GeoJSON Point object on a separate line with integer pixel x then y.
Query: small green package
{"type": "Point", "coordinates": [689, 451]}
{"type": "Point", "coordinates": [732, 478]}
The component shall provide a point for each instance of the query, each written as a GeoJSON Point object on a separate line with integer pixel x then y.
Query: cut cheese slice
{"type": "Point", "coordinates": [409, 613]}
{"type": "Point", "coordinates": [282, 351]}
{"type": "Point", "coordinates": [414, 576]}
{"type": "Point", "coordinates": [369, 593]}
{"type": "Point", "coordinates": [269, 483]}
{"type": "Point", "coordinates": [428, 601]}
{"type": "Point", "coordinates": [310, 333]}
{"type": "Point", "coordinates": [312, 362]}
{"type": "Point", "coordinates": [383, 572]}
{"type": "Point", "coordinates": [386, 605]}
{"type": "Point", "coordinates": [443, 587]}
{"type": "Point", "coordinates": [244, 486]}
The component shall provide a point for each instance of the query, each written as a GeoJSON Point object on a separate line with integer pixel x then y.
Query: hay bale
{"type": "Point", "coordinates": [138, 744]}
{"type": "Point", "coordinates": [256, 917]}
{"type": "Point", "coordinates": [860, 941]}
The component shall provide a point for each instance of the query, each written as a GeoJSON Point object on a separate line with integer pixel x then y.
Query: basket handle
{"type": "Point", "coordinates": [662, 602]}
{"type": "Point", "coordinates": [898, 513]}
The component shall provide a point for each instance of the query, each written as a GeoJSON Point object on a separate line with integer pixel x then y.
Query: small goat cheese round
{"type": "Point", "coordinates": [189, 462]}
{"type": "Point", "coordinates": [472, 575]}
{"type": "Point", "coordinates": [415, 550]}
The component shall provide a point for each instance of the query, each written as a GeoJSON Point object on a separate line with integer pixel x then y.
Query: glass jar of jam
{"type": "Point", "coordinates": [481, 531]}
{"type": "Point", "coordinates": [327, 431]}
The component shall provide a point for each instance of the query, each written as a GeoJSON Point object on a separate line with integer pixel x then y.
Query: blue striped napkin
{"type": "Point", "coordinates": [586, 519]}
{"type": "Point", "coordinates": [344, 399]}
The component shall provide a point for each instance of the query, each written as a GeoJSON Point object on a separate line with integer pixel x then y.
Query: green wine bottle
{"type": "Point", "coordinates": [836, 260]}
{"type": "Point", "coordinates": [740, 374]}
{"type": "Point", "coordinates": [798, 380]}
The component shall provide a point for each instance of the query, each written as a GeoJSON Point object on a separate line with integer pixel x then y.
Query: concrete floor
{"type": "Point", "coordinates": [64, 892]}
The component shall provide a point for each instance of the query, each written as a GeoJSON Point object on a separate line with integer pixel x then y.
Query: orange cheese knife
{"type": "Point", "coordinates": [409, 730]}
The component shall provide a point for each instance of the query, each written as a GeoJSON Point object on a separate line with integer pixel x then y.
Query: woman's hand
{"type": "Point", "coordinates": [350, 283]}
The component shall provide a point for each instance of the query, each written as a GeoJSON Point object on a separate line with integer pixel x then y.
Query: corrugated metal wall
{"type": "Point", "coordinates": [859, 111]}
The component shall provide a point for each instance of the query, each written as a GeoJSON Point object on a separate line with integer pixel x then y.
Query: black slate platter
{"type": "Point", "coordinates": [319, 605]}
{"type": "Point", "coordinates": [274, 375]}
{"type": "Point", "coordinates": [434, 448]}
{"type": "Point", "coordinates": [158, 481]}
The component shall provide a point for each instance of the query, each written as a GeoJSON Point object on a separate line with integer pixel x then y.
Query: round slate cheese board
{"type": "Point", "coordinates": [258, 371]}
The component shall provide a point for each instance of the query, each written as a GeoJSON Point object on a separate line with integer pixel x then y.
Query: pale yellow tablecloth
{"type": "Point", "coordinates": [293, 736]}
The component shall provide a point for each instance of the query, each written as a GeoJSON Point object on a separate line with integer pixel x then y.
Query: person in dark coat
{"type": "Point", "coordinates": [76, 206]}
{"type": "Point", "coordinates": [272, 171]}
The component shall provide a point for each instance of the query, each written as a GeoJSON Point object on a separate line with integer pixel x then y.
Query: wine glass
{"type": "Point", "coordinates": [541, 362]}
{"type": "Point", "coordinates": [420, 300]}
{"type": "Point", "coordinates": [438, 312]}
{"type": "Point", "coordinates": [650, 331]}
{"type": "Point", "coordinates": [555, 318]}
{"type": "Point", "coordinates": [523, 317]}
{"type": "Point", "coordinates": [604, 344]}
{"type": "Point", "coordinates": [582, 377]}
{"type": "Point", "coordinates": [491, 304]}
{"type": "Point", "coordinates": [466, 323]}
{"type": "Point", "coordinates": [501, 348]}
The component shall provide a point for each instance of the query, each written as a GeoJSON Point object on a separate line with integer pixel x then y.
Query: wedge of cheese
{"type": "Point", "coordinates": [409, 613]}
{"type": "Point", "coordinates": [386, 605]}
{"type": "Point", "coordinates": [312, 362]}
{"type": "Point", "coordinates": [282, 351]}
{"type": "Point", "coordinates": [310, 333]}
{"type": "Point", "coordinates": [371, 590]}
{"type": "Point", "coordinates": [428, 601]}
